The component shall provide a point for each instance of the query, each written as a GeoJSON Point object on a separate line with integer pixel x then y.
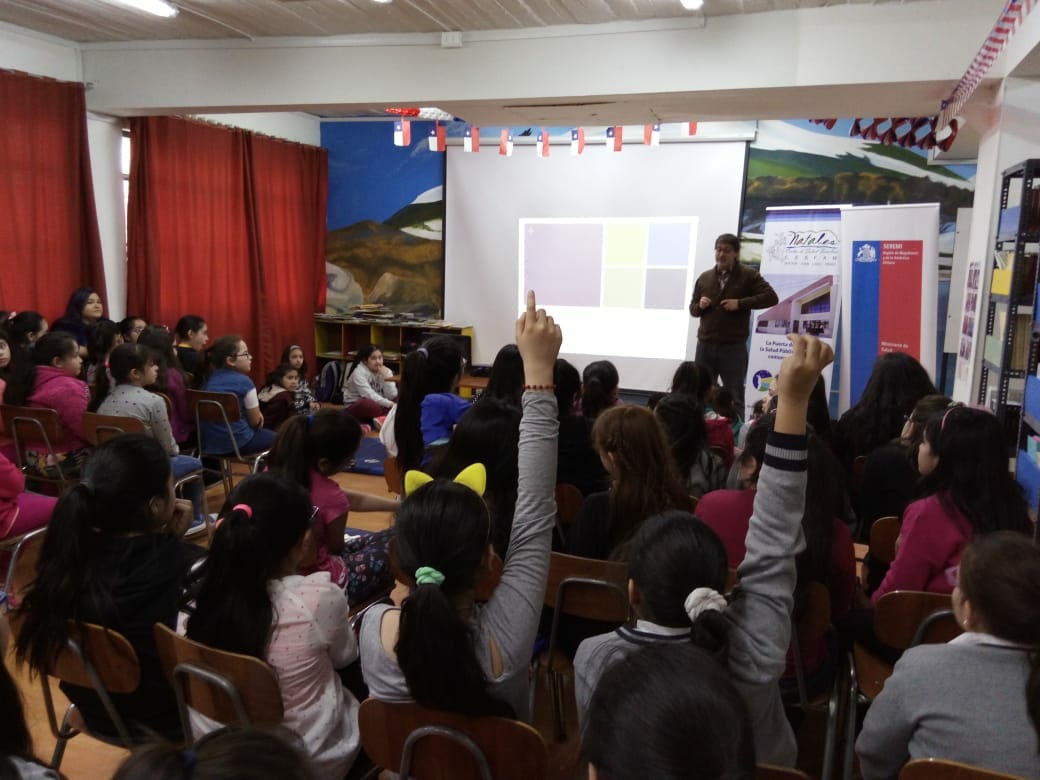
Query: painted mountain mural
{"type": "Point", "coordinates": [398, 262]}
{"type": "Point", "coordinates": [790, 164]}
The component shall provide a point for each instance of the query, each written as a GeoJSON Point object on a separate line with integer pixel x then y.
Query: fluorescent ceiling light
{"type": "Point", "coordinates": [383, 1]}
{"type": "Point", "coordinates": [157, 7]}
{"type": "Point", "coordinates": [692, 5]}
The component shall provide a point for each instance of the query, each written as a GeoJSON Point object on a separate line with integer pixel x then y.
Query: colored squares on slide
{"type": "Point", "coordinates": [665, 288]}
{"type": "Point", "coordinates": [563, 263]}
{"type": "Point", "coordinates": [625, 244]}
{"type": "Point", "coordinates": [669, 244]}
{"type": "Point", "coordinates": [623, 288]}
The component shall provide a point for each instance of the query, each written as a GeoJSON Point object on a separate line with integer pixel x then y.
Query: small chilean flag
{"type": "Point", "coordinates": [652, 134]}
{"type": "Point", "coordinates": [438, 138]}
{"type": "Point", "coordinates": [614, 137]}
{"type": "Point", "coordinates": [688, 129]}
{"type": "Point", "coordinates": [471, 140]}
{"type": "Point", "coordinates": [543, 143]}
{"type": "Point", "coordinates": [578, 140]}
{"type": "Point", "coordinates": [402, 133]}
{"type": "Point", "coordinates": [505, 144]}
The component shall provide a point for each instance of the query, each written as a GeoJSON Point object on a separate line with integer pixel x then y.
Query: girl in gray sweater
{"type": "Point", "coordinates": [440, 648]}
{"type": "Point", "coordinates": [975, 700]}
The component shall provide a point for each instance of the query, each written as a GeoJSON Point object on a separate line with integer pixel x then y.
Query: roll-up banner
{"type": "Point", "coordinates": [890, 266]}
{"type": "Point", "coordinates": [801, 259]}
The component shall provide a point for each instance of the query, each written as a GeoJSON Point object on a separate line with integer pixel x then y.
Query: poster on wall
{"type": "Point", "coordinates": [890, 264]}
{"type": "Point", "coordinates": [801, 260]}
{"type": "Point", "coordinates": [385, 220]}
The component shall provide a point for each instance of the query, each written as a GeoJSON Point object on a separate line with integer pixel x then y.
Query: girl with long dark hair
{"type": "Point", "coordinates": [440, 648]}
{"type": "Point", "coordinates": [368, 392]}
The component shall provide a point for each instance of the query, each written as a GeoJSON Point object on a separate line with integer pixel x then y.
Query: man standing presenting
{"type": "Point", "coordinates": [722, 298]}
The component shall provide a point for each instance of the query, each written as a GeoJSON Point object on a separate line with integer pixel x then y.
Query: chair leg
{"type": "Point", "coordinates": [834, 723]}
{"type": "Point", "coordinates": [63, 735]}
{"type": "Point", "coordinates": [556, 691]}
{"type": "Point", "coordinates": [852, 693]}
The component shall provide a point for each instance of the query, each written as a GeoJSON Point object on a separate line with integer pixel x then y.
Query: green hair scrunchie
{"type": "Point", "coordinates": [427, 575]}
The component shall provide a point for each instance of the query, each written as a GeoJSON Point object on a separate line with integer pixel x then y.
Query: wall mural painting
{"type": "Point", "coordinates": [385, 241]}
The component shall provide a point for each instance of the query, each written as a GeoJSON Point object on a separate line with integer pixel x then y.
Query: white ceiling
{"type": "Point", "coordinates": [97, 21]}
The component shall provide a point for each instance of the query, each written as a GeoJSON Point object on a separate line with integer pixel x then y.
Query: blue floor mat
{"type": "Point", "coordinates": [369, 457]}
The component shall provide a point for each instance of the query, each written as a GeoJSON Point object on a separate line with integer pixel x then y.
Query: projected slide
{"type": "Point", "coordinates": [618, 280]}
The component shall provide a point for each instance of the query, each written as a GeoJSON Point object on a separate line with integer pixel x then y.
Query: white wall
{"type": "Point", "coordinates": [290, 125]}
{"type": "Point", "coordinates": [105, 135]}
{"type": "Point", "coordinates": [42, 55]}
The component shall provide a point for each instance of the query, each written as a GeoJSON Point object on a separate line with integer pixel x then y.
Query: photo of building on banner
{"type": "Point", "coordinates": [801, 254]}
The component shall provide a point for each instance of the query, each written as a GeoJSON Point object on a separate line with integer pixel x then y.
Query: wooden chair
{"type": "Point", "coordinates": [581, 588]}
{"type": "Point", "coordinates": [94, 657]}
{"type": "Point", "coordinates": [36, 429]}
{"type": "Point", "coordinates": [21, 568]}
{"type": "Point", "coordinates": [938, 769]}
{"type": "Point", "coordinates": [768, 772]}
{"type": "Point", "coordinates": [221, 409]}
{"type": "Point", "coordinates": [225, 687]}
{"type": "Point", "coordinates": [99, 428]}
{"type": "Point", "coordinates": [902, 619]}
{"type": "Point", "coordinates": [392, 475]}
{"type": "Point", "coordinates": [426, 744]}
{"type": "Point", "coordinates": [568, 503]}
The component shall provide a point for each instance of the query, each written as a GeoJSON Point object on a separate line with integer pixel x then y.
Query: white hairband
{"type": "Point", "coordinates": [703, 600]}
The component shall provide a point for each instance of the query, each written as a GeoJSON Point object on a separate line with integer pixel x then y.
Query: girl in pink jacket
{"type": "Point", "coordinates": [20, 512]}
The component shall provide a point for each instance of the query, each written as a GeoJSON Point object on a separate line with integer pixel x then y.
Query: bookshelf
{"type": "Point", "coordinates": [339, 338]}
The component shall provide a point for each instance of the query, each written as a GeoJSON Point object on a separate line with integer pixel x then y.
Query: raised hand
{"type": "Point", "coordinates": [538, 338]}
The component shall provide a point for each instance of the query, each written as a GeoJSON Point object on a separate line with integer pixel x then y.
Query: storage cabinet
{"type": "Point", "coordinates": [339, 338]}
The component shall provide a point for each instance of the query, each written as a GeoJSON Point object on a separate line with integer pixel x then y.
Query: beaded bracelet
{"type": "Point", "coordinates": [547, 388]}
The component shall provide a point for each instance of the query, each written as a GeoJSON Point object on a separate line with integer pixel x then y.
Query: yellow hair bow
{"type": "Point", "coordinates": [474, 477]}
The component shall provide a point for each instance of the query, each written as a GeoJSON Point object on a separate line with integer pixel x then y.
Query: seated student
{"type": "Point", "coordinates": [310, 449]}
{"type": "Point", "coordinates": [170, 381]}
{"type": "Point", "coordinates": [132, 368]}
{"type": "Point", "coordinates": [249, 599]}
{"type": "Point", "coordinates": [26, 328]}
{"type": "Point", "coordinates": [428, 407]}
{"type": "Point", "coordinates": [102, 338]}
{"type": "Point", "coordinates": [506, 380]}
{"type": "Point", "coordinates": [667, 710]}
{"type": "Point", "coordinates": [682, 418]}
{"type": "Point", "coordinates": [644, 482]}
{"type": "Point", "coordinates": [232, 753]}
{"type": "Point", "coordinates": [278, 396]}
{"type": "Point", "coordinates": [975, 700]}
{"type": "Point", "coordinates": [192, 335]}
{"type": "Point", "coordinates": [83, 310]}
{"type": "Point", "coordinates": [368, 392]}
{"type": "Point", "coordinates": [20, 512]}
{"type": "Point", "coordinates": [441, 649]}
{"type": "Point", "coordinates": [131, 327]}
{"type": "Point", "coordinates": [577, 462]}
{"type": "Point", "coordinates": [828, 557]}
{"type": "Point", "coordinates": [229, 361]}
{"type": "Point", "coordinates": [306, 403]}
{"type": "Point", "coordinates": [17, 759]}
{"type": "Point", "coordinates": [487, 434]}
{"type": "Point", "coordinates": [692, 378]}
{"type": "Point", "coordinates": [599, 388]}
{"type": "Point", "coordinates": [47, 376]}
{"type": "Point", "coordinates": [113, 554]}
{"type": "Point", "coordinates": [679, 565]}
{"type": "Point", "coordinates": [967, 490]}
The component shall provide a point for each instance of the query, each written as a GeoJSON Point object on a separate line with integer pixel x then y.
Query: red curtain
{"type": "Point", "coordinates": [228, 225]}
{"type": "Point", "coordinates": [49, 240]}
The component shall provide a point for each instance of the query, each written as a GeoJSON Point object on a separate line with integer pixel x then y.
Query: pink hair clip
{"type": "Point", "coordinates": [245, 508]}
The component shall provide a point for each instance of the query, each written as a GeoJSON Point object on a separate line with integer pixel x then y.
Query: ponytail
{"type": "Point", "coordinates": [158, 340]}
{"type": "Point", "coordinates": [123, 359]}
{"type": "Point", "coordinates": [432, 368]}
{"type": "Point", "coordinates": [599, 386]}
{"type": "Point", "coordinates": [441, 537]}
{"type": "Point", "coordinates": [263, 519]}
{"type": "Point", "coordinates": [120, 480]}
{"type": "Point", "coordinates": [304, 439]}
{"type": "Point", "coordinates": [21, 377]}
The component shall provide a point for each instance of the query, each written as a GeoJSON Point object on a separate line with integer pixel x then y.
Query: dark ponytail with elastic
{"type": "Point", "coordinates": [441, 533]}
{"type": "Point", "coordinates": [670, 556]}
{"type": "Point", "coordinates": [599, 383]}
{"type": "Point", "coordinates": [263, 519]}
{"type": "Point", "coordinates": [124, 359]}
{"type": "Point", "coordinates": [119, 482]}
{"type": "Point", "coordinates": [304, 439]}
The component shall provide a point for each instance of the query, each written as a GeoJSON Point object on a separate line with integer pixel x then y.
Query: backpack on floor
{"type": "Point", "coordinates": [329, 386]}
